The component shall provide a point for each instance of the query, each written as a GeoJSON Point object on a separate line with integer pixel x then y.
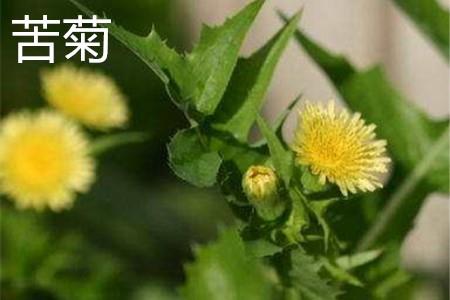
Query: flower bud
{"type": "Point", "coordinates": [260, 184]}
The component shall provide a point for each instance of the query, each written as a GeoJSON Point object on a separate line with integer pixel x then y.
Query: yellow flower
{"type": "Point", "coordinates": [340, 148]}
{"type": "Point", "coordinates": [44, 160]}
{"type": "Point", "coordinates": [260, 184]}
{"type": "Point", "coordinates": [89, 97]}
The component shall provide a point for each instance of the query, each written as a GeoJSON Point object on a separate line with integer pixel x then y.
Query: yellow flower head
{"type": "Point", "coordinates": [44, 160]}
{"type": "Point", "coordinates": [89, 97]}
{"type": "Point", "coordinates": [340, 148]}
{"type": "Point", "coordinates": [260, 183]}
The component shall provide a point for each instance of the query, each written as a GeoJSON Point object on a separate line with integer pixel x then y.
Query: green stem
{"type": "Point", "coordinates": [107, 142]}
{"type": "Point", "coordinates": [401, 195]}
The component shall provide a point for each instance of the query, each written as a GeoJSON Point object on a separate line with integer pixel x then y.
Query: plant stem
{"type": "Point", "coordinates": [401, 195]}
{"type": "Point", "coordinates": [103, 144]}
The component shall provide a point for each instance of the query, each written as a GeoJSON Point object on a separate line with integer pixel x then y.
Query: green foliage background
{"type": "Point", "coordinates": [130, 236]}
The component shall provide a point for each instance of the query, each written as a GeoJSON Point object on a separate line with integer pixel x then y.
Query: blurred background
{"type": "Point", "coordinates": [129, 237]}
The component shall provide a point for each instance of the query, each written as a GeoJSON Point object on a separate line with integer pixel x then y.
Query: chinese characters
{"type": "Point", "coordinates": [36, 34]}
{"type": "Point", "coordinates": [84, 37]}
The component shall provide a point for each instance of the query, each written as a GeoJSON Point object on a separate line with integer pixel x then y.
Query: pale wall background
{"type": "Point", "coordinates": [367, 32]}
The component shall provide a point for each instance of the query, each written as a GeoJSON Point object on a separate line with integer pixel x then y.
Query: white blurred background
{"type": "Point", "coordinates": [367, 32]}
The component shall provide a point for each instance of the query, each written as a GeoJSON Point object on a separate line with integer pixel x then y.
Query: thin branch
{"type": "Point", "coordinates": [105, 143]}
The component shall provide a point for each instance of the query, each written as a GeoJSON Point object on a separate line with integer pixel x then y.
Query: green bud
{"type": "Point", "coordinates": [260, 184]}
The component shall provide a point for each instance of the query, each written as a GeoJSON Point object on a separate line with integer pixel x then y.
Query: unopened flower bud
{"type": "Point", "coordinates": [260, 184]}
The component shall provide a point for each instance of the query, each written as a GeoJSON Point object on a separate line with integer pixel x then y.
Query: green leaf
{"type": "Point", "coordinates": [223, 271]}
{"type": "Point", "coordinates": [281, 119]}
{"type": "Point", "coordinates": [310, 182]}
{"type": "Point", "coordinates": [111, 141]}
{"type": "Point", "coordinates": [340, 274]}
{"type": "Point", "coordinates": [298, 217]}
{"type": "Point", "coordinates": [402, 217]}
{"type": "Point", "coordinates": [402, 197]}
{"type": "Point", "coordinates": [239, 153]}
{"type": "Point", "coordinates": [60, 266]}
{"type": "Point", "coordinates": [409, 132]}
{"type": "Point", "coordinates": [319, 209]}
{"type": "Point", "coordinates": [279, 123]}
{"type": "Point", "coordinates": [418, 146]}
{"type": "Point", "coordinates": [191, 160]}
{"type": "Point", "coordinates": [337, 67]}
{"type": "Point", "coordinates": [304, 277]}
{"type": "Point", "coordinates": [432, 20]}
{"type": "Point", "coordinates": [384, 277]}
{"type": "Point", "coordinates": [238, 157]}
{"type": "Point", "coordinates": [155, 291]}
{"type": "Point", "coordinates": [348, 262]}
{"type": "Point", "coordinates": [166, 63]}
{"type": "Point", "coordinates": [202, 76]}
{"type": "Point", "coordinates": [411, 136]}
{"type": "Point", "coordinates": [389, 284]}
{"type": "Point", "coordinates": [365, 210]}
{"type": "Point", "coordinates": [214, 58]}
{"type": "Point", "coordinates": [249, 84]}
{"type": "Point", "coordinates": [261, 248]}
{"type": "Point", "coordinates": [282, 158]}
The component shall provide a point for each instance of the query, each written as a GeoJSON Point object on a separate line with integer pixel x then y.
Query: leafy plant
{"type": "Point", "coordinates": [324, 245]}
{"type": "Point", "coordinates": [72, 269]}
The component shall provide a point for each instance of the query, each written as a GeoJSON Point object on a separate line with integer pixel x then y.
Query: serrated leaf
{"type": "Point", "coordinates": [306, 280]}
{"type": "Point", "coordinates": [409, 132]}
{"type": "Point", "coordinates": [282, 159]}
{"type": "Point", "coordinates": [202, 76]}
{"type": "Point", "coordinates": [166, 63]}
{"type": "Point", "coordinates": [214, 57]}
{"type": "Point", "coordinates": [190, 159]}
{"type": "Point", "coordinates": [223, 271]}
{"type": "Point", "coordinates": [319, 208]}
{"type": "Point", "coordinates": [432, 20]}
{"type": "Point", "coordinates": [249, 84]}
{"type": "Point", "coordinates": [262, 248]}
{"type": "Point", "coordinates": [298, 217]}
